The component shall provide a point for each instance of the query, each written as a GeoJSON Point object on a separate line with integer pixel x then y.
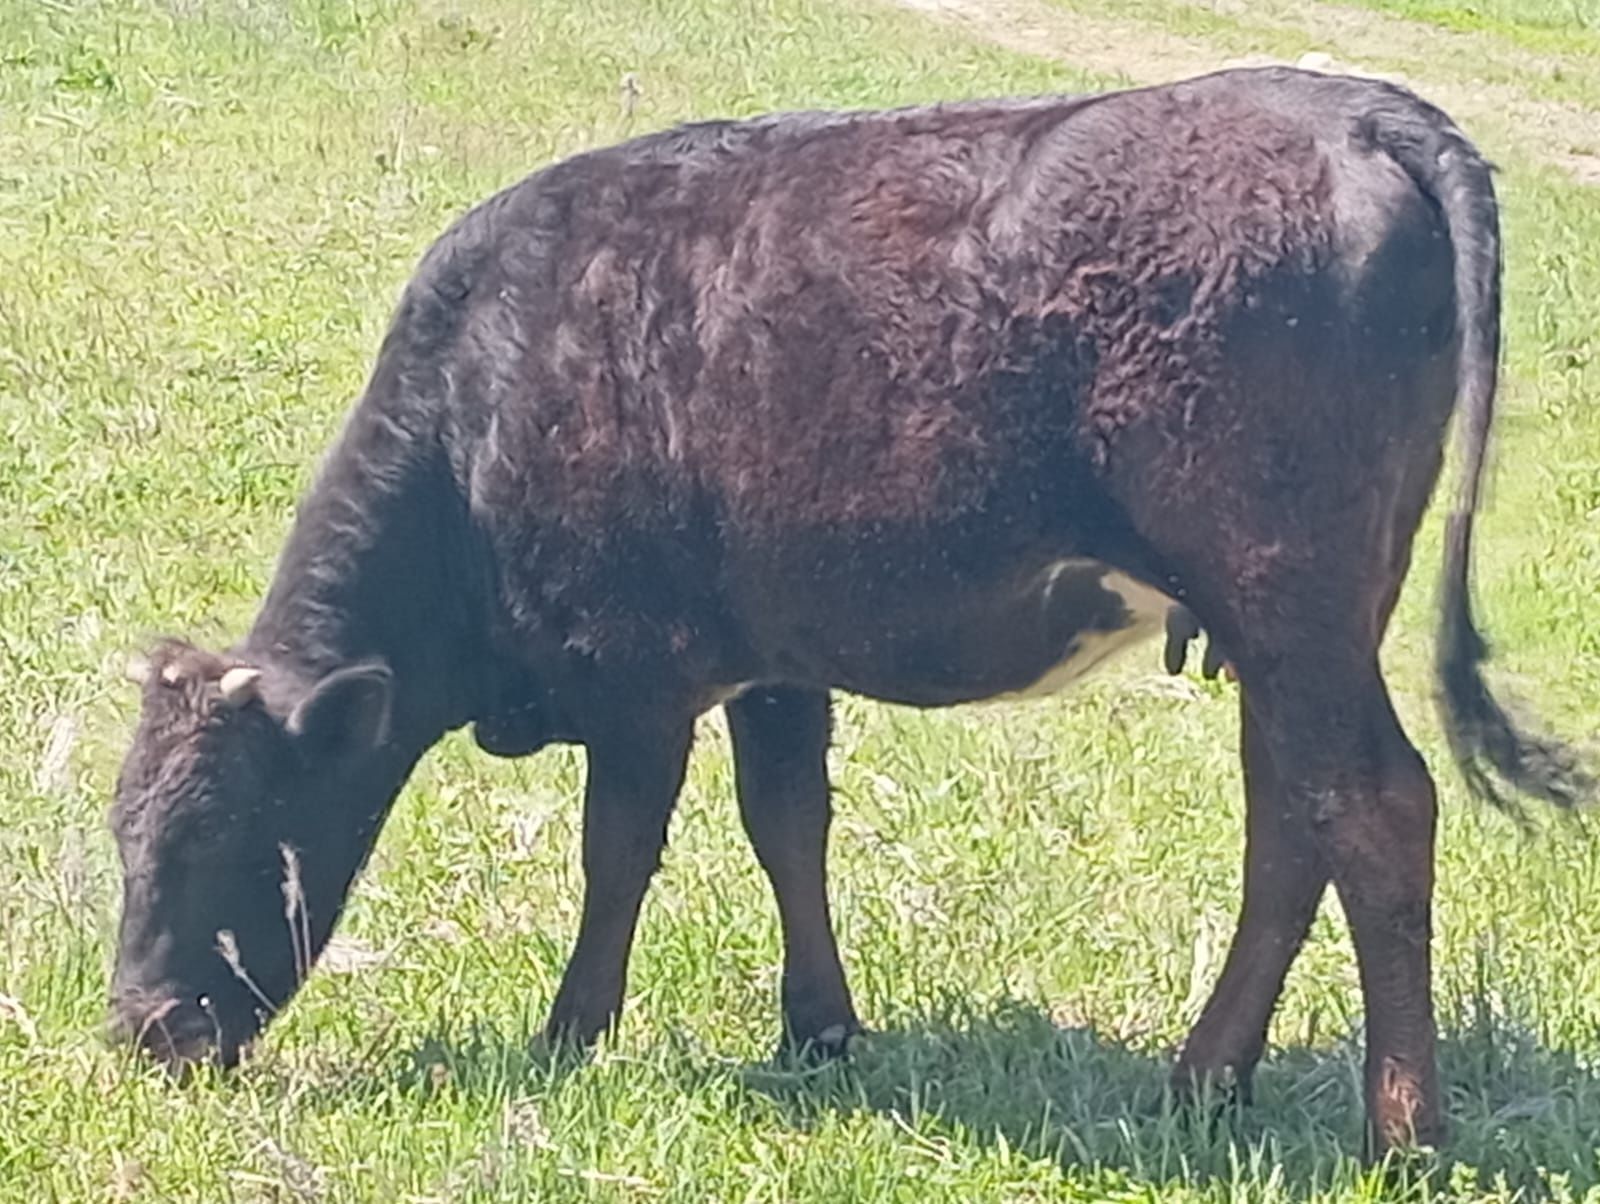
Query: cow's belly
{"type": "Point", "coordinates": [1025, 638]}
{"type": "Point", "coordinates": [1145, 613]}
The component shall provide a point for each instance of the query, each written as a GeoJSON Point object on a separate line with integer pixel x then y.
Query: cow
{"type": "Point", "coordinates": [929, 405]}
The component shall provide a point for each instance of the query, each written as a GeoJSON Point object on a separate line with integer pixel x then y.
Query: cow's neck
{"type": "Point", "coordinates": [380, 564]}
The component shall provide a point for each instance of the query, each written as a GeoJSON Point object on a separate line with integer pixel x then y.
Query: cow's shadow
{"type": "Point", "coordinates": [1522, 1117]}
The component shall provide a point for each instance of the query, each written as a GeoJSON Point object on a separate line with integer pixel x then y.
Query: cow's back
{"type": "Point", "coordinates": [724, 375]}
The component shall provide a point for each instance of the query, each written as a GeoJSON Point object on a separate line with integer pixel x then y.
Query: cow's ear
{"type": "Point", "coordinates": [346, 713]}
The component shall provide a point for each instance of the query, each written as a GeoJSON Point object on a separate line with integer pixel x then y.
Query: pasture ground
{"type": "Point", "coordinates": [206, 210]}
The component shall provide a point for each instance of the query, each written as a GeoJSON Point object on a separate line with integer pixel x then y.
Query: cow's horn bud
{"type": "Point", "coordinates": [239, 685]}
{"type": "Point", "coordinates": [171, 674]}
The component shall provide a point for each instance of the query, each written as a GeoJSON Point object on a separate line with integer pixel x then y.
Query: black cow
{"type": "Point", "coordinates": [931, 405]}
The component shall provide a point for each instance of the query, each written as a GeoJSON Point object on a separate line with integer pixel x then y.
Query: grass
{"type": "Point", "coordinates": [1539, 51]}
{"type": "Point", "coordinates": [206, 210]}
{"type": "Point", "coordinates": [1530, 19]}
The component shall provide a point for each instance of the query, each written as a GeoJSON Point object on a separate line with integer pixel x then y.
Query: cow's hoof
{"type": "Point", "coordinates": [830, 1044]}
{"type": "Point", "coordinates": [568, 1042]}
{"type": "Point", "coordinates": [557, 1052]}
{"type": "Point", "coordinates": [1207, 1089]}
{"type": "Point", "coordinates": [1404, 1169]}
{"type": "Point", "coordinates": [1403, 1132]}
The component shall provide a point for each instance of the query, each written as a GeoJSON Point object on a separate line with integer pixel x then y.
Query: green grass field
{"type": "Point", "coordinates": [207, 208]}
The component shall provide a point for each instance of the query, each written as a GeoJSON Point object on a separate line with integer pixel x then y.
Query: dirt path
{"type": "Point", "coordinates": [1566, 136]}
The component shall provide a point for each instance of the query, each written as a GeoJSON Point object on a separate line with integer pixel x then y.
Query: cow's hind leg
{"type": "Point", "coordinates": [780, 743]}
{"type": "Point", "coordinates": [634, 775]}
{"type": "Point", "coordinates": [1343, 760]}
{"type": "Point", "coordinates": [1284, 877]}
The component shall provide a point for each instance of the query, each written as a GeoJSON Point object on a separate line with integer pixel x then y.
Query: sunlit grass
{"type": "Point", "coordinates": [206, 211]}
{"type": "Point", "coordinates": [1538, 49]}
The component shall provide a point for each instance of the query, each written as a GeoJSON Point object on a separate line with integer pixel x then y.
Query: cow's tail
{"type": "Point", "coordinates": [1490, 748]}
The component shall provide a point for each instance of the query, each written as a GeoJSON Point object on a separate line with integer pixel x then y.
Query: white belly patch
{"type": "Point", "coordinates": [1027, 638]}
{"type": "Point", "coordinates": [1090, 648]}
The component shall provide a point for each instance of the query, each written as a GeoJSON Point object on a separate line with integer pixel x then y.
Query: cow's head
{"type": "Point", "coordinates": [243, 811]}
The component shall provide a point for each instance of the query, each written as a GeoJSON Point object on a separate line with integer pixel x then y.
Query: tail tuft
{"type": "Point", "coordinates": [1489, 747]}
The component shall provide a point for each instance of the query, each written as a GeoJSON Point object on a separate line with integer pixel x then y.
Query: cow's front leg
{"type": "Point", "coordinates": [780, 744]}
{"type": "Point", "coordinates": [634, 775]}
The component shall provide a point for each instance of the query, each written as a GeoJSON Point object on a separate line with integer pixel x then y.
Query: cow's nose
{"type": "Point", "coordinates": [178, 1033]}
